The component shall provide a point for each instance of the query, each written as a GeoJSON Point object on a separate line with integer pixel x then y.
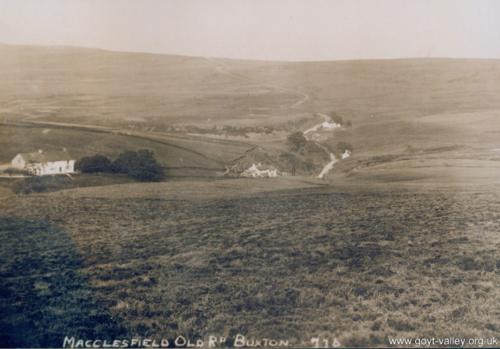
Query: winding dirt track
{"type": "Point", "coordinates": [303, 98]}
{"type": "Point", "coordinates": [333, 159]}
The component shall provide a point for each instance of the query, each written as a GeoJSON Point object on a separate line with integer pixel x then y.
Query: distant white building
{"type": "Point", "coordinates": [42, 163]}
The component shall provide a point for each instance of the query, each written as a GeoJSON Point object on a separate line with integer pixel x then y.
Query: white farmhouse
{"type": "Point", "coordinates": [42, 163]}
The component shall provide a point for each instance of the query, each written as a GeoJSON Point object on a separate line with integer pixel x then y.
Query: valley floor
{"type": "Point", "coordinates": [360, 265]}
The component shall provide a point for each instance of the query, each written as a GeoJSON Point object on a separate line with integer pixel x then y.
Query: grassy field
{"type": "Point", "coordinates": [172, 152]}
{"type": "Point", "coordinates": [360, 266]}
{"type": "Point", "coordinates": [105, 87]}
{"type": "Point", "coordinates": [74, 84]}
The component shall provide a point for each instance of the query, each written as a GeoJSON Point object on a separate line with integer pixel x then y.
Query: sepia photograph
{"type": "Point", "coordinates": [249, 174]}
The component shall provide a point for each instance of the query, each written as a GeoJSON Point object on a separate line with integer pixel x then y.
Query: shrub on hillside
{"type": "Point", "coordinates": [91, 164]}
{"type": "Point", "coordinates": [296, 141]}
{"type": "Point", "coordinates": [338, 119]}
{"type": "Point", "coordinates": [11, 171]}
{"type": "Point", "coordinates": [342, 147]}
{"type": "Point", "coordinates": [140, 165]}
{"type": "Point", "coordinates": [41, 184]}
{"type": "Point", "coordinates": [29, 185]}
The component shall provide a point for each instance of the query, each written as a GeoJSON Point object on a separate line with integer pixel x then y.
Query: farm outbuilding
{"type": "Point", "coordinates": [42, 163]}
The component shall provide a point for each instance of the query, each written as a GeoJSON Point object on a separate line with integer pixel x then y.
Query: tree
{"type": "Point", "coordinates": [124, 162]}
{"type": "Point", "coordinates": [338, 119]}
{"type": "Point", "coordinates": [297, 141]}
{"type": "Point", "coordinates": [91, 164]}
{"type": "Point", "coordinates": [140, 165]}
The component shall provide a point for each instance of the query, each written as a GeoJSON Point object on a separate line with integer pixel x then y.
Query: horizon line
{"type": "Point", "coordinates": [69, 46]}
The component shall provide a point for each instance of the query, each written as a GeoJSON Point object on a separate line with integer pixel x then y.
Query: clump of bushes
{"type": "Point", "coordinates": [29, 185]}
{"type": "Point", "coordinates": [341, 147]}
{"type": "Point", "coordinates": [296, 141]}
{"type": "Point", "coordinates": [92, 164]}
{"type": "Point", "coordinates": [338, 119]}
{"type": "Point", "coordinates": [140, 165]}
{"type": "Point", "coordinates": [41, 184]}
{"type": "Point", "coordinates": [11, 171]}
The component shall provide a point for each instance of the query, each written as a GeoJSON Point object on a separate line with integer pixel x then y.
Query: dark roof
{"type": "Point", "coordinates": [48, 156]}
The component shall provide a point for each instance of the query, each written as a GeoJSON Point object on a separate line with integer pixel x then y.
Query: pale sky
{"type": "Point", "coordinates": [261, 29]}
